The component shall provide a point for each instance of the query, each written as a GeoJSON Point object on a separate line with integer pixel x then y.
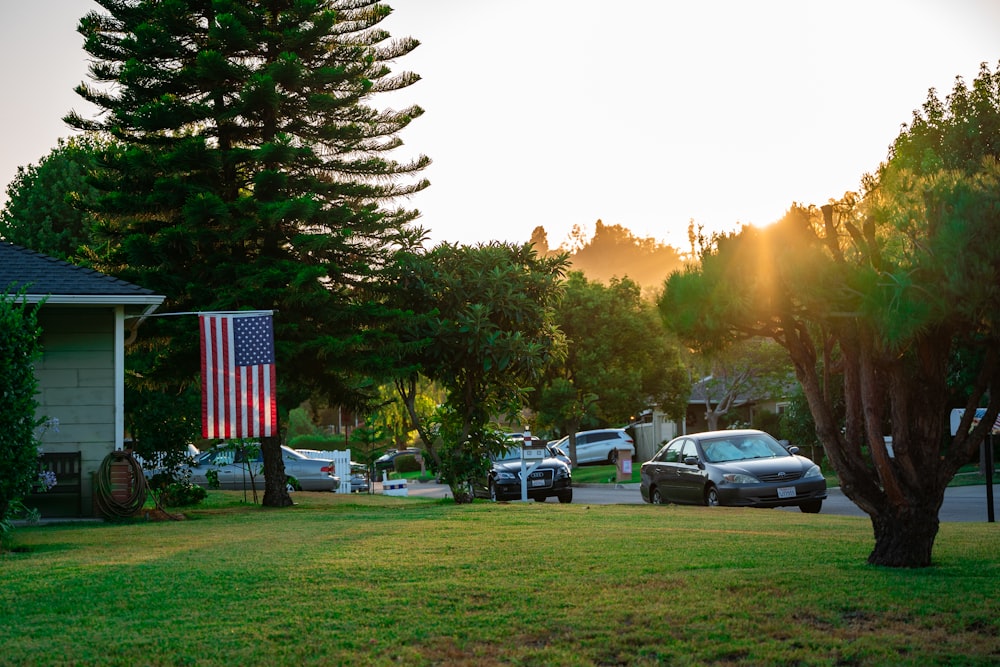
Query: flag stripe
{"type": "Point", "coordinates": [238, 378]}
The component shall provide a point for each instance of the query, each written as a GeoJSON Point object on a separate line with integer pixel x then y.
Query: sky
{"type": "Point", "coordinates": [647, 114]}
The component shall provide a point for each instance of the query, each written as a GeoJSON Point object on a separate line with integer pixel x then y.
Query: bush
{"type": "Point", "coordinates": [19, 348]}
{"type": "Point", "coordinates": [407, 463]}
{"type": "Point", "coordinates": [183, 494]}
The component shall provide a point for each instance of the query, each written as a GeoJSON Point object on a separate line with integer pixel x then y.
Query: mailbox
{"type": "Point", "coordinates": [623, 466]}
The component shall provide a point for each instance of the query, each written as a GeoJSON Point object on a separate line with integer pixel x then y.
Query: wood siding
{"type": "Point", "coordinates": [76, 379]}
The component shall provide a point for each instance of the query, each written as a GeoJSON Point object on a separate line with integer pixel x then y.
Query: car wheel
{"type": "Point", "coordinates": [613, 457]}
{"type": "Point", "coordinates": [566, 496]}
{"type": "Point", "coordinates": [655, 497]}
{"type": "Point", "coordinates": [493, 492]}
{"type": "Point", "coordinates": [292, 484]}
{"type": "Point", "coordinates": [811, 506]}
{"type": "Point", "coordinates": [712, 496]}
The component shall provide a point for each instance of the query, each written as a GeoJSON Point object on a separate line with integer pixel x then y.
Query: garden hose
{"type": "Point", "coordinates": [119, 507]}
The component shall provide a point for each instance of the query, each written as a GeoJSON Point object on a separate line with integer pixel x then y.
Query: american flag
{"type": "Point", "coordinates": [238, 397]}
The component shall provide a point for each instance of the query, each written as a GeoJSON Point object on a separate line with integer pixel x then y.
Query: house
{"type": "Point", "coordinates": [86, 319]}
{"type": "Point", "coordinates": [653, 429]}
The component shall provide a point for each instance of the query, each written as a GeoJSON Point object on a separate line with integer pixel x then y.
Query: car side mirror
{"type": "Point", "coordinates": [691, 460]}
{"type": "Point", "coordinates": [793, 450]}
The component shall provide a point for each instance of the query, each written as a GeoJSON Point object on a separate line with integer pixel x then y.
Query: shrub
{"type": "Point", "coordinates": [19, 348]}
{"type": "Point", "coordinates": [183, 494]}
{"type": "Point", "coordinates": [407, 463]}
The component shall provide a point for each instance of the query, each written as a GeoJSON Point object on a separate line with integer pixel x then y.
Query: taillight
{"type": "Point", "coordinates": [326, 469]}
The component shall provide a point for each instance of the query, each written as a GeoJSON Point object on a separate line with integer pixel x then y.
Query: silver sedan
{"type": "Point", "coordinates": [243, 468]}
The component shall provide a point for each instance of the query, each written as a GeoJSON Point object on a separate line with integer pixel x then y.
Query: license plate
{"type": "Point", "coordinates": [786, 491]}
{"type": "Point", "coordinates": [538, 482]}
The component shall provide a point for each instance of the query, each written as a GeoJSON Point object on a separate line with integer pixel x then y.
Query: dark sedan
{"type": "Point", "coordinates": [743, 468]}
{"type": "Point", "coordinates": [547, 477]}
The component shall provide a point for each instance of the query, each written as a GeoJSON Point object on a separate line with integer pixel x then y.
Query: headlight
{"type": "Point", "coordinates": [740, 478]}
{"type": "Point", "coordinates": [562, 472]}
{"type": "Point", "coordinates": [813, 472]}
{"type": "Point", "coordinates": [505, 476]}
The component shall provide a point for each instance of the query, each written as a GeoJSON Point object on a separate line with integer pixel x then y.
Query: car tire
{"type": "Point", "coordinates": [292, 484]}
{"type": "Point", "coordinates": [566, 496]}
{"type": "Point", "coordinates": [811, 506]}
{"type": "Point", "coordinates": [655, 497]}
{"type": "Point", "coordinates": [712, 496]}
{"type": "Point", "coordinates": [493, 492]}
{"type": "Point", "coordinates": [540, 499]}
{"type": "Point", "coordinates": [613, 457]}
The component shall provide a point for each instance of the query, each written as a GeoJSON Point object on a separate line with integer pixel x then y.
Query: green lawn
{"type": "Point", "coordinates": [348, 579]}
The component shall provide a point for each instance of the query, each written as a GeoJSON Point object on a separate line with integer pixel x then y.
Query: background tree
{"type": "Point", "coordinates": [748, 370]}
{"type": "Point", "coordinates": [885, 288]}
{"type": "Point", "coordinates": [45, 208]}
{"type": "Point", "coordinates": [249, 172]}
{"type": "Point", "coordinates": [480, 324]}
{"type": "Point", "coordinates": [19, 349]}
{"type": "Point", "coordinates": [620, 360]}
{"type": "Point", "coordinates": [614, 252]}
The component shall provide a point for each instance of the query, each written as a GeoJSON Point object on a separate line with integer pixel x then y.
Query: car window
{"type": "Point", "coordinates": [688, 449]}
{"type": "Point", "coordinates": [741, 448]}
{"type": "Point", "coordinates": [222, 457]}
{"type": "Point", "coordinates": [512, 454]}
{"type": "Point", "coordinates": [673, 452]}
{"type": "Point", "coordinates": [717, 451]}
{"type": "Point", "coordinates": [251, 454]}
{"type": "Point", "coordinates": [662, 454]}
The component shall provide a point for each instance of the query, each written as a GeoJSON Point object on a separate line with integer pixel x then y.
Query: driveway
{"type": "Point", "coordinates": [962, 503]}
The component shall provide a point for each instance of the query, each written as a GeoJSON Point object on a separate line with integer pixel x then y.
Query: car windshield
{"type": "Point", "coordinates": [512, 454]}
{"type": "Point", "coordinates": [740, 448]}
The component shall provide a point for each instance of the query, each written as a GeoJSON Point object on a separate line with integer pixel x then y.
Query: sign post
{"type": "Point", "coordinates": [531, 455]}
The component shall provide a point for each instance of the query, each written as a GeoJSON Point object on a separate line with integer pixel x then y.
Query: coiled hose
{"type": "Point", "coordinates": [134, 485]}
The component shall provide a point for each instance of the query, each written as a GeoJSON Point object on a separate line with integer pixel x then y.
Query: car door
{"type": "Point", "coordinates": [690, 476]}
{"type": "Point", "coordinates": [584, 447]}
{"type": "Point", "coordinates": [221, 464]}
{"type": "Point", "coordinates": [245, 471]}
{"type": "Point", "coordinates": [654, 471]}
{"type": "Point", "coordinates": [669, 473]}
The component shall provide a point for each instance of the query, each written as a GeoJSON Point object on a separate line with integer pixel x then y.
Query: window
{"type": "Point", "coordinates": [688, 449]}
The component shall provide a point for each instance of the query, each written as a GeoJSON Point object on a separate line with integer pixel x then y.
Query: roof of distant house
{"type": "Point", "coordinates": [57, 281]}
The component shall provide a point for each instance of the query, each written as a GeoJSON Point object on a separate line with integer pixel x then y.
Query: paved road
{"type": "Point", "coordinates": [963, 503]}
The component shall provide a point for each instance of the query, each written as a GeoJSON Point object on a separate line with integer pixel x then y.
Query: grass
{"type": "Point", "coordinates": [348, 579]}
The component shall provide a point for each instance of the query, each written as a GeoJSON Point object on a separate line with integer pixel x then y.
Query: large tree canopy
{"type": "Point", "coordinates": [479, 321]}
{"type": "Point", "coordinates": [620, 360]}
{"type": "Point", "coordinates": [46, 202]}
{"type": "Point", "coordinates": [249, 172]}
{"type": "Point", "coordinates": [883, 289]}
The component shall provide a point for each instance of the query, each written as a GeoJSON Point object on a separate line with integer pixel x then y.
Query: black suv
{"type": "Point", "coordinates": [551, 477]}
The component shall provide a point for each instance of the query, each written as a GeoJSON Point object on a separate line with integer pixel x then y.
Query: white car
{"type": "Point", "coordinates": [601, 445]}
{"type": "Point", "coordinates": [235, 471]}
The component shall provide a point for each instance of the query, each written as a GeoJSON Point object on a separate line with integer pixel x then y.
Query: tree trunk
{"type": "Point", "coordinates": [275, 490]}
{"type": "Point", "coordinates": [461, 493]}
{"type": "Point", "coordinates": [904, 538]}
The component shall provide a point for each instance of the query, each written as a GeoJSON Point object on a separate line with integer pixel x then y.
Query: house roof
{"type": "Point", "coordinates": [59, 282]}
